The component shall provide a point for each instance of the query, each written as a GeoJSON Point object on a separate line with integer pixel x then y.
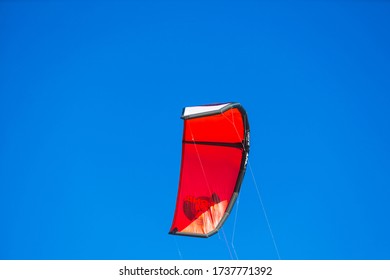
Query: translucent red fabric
{"type": "Point", "coordinates": [214, 153]}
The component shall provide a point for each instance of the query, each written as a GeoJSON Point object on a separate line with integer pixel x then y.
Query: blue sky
{"type": "Point", "coordinates": [90, 131]}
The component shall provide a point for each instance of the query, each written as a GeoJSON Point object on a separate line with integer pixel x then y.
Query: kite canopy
{"type": "Point", "coordinates": [214, 156]}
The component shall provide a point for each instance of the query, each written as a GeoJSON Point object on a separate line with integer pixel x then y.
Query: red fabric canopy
{"type": "Point", "coordinates": [214, 155]}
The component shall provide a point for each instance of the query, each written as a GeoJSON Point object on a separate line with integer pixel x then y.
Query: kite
{"type": "Point", "coordinates": [215, 151]}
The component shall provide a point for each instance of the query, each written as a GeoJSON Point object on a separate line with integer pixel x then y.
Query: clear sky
{"type": "Point", "coordinates": [91, 95]}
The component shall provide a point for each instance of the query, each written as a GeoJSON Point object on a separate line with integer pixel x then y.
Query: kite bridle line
{"type": "Point", "coordinates": [264, 211]}
{"type": "Point", "coordinates": [257, 191]}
